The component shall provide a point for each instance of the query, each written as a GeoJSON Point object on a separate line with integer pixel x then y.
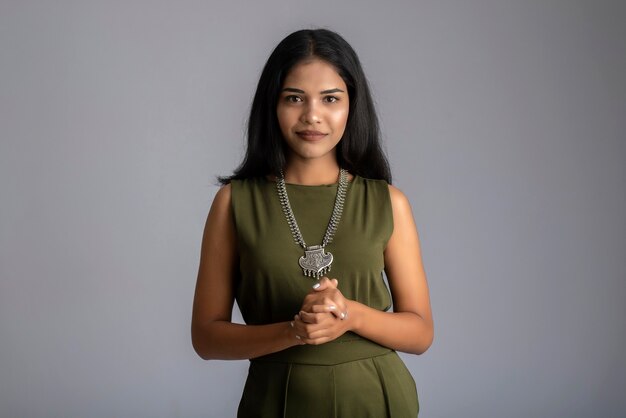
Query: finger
{"type": "Point", "coordinates": [317, 341]}
{"type": "Point", "coordinates": [324, 308]}
{"type": "Point", "coordinates": [323, 323]}
{"type": "Point", "coordinates": [307, 318]}
{"type": "Point", "coordinates": [323, 284]}
{"type": "Point", "coordinates": [314, 332]}
{"type": "Point", "coordinates": [308, 305]}
{"type": "Point", "coordinates": [320, 340]}
{"type": "Point", "coordinates": [336, 305]}
{"type": "Point", "coordinates": [311, 318]}
{"type": "Point", "coordinates": [326, 283]}
{"type": "Point", "coordinates": [326, 297]}
{"type": "Point", "coordinates": [324, 302]}
{"type": "Point", "coordinates": [304, 323]}
{"type": "Point", "coordinates": [341, 312]}
{"type": "Point", "coordinates": [319, 335]}
{"type": "Point", "coordinates": [343, 315]}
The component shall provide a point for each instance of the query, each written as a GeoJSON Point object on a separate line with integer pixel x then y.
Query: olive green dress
{"type": "Point", "coordinates": [350, 377]}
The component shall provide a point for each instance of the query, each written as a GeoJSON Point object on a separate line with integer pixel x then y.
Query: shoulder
{"type": "Point", "coordinates": [371, 192]}
{"type": "Point", "coordinates": [244, 191]}
{"type": "Point", "coordinates": [223, 195]}
{"type": "Point", "coordinates": [222, 201]}
{"type": "Point", "coordinates": [396, 196]}
{"type": "Point", "coordinates": [379, 185]}
{"type": "Point", "coordinates": [399, 202]}
{"type": "Point", "coordinates": [219, 221]}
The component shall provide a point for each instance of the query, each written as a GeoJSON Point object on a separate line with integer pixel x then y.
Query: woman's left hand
{"type": "Point", "coordinates": [324, 313]}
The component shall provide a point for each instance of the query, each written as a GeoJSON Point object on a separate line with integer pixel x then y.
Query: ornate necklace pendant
{"type": "Point", "coordinates": [315, 262]}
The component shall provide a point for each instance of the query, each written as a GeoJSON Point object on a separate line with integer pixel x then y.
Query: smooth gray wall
{"type": "Point", "coordinates": [504, 122]}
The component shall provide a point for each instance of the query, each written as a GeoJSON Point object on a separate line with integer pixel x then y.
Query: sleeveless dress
{"type": "Point", "coordinates": [350, 377]}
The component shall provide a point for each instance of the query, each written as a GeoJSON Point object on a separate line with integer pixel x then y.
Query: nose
{"type": "Point", "coordinates": [311, 113]}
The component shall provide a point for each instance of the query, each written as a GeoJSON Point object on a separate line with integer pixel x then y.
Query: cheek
{"type": "Point", "coordinates": [283, 118]}
{"type": "Point", "coordinates": [340, 118]}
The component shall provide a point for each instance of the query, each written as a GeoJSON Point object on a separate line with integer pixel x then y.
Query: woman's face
{"type": "Point", "coordinates": [313, 110]}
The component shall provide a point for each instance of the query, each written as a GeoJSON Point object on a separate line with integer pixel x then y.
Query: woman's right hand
{"type": "Point", "coordinates": [213, 334]}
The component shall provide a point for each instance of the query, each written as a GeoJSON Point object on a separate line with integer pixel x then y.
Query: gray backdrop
{"type": "Point", "coordinates": [504, 123]}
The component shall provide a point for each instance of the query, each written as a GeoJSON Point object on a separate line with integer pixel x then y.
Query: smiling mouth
{"type": "Point", "coordinates": [311, 135]}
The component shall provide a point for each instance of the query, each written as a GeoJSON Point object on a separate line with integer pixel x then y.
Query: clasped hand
{"type": "Point", "coordinates": [323, 314]}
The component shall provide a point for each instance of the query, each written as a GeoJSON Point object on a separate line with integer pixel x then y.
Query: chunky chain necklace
{"type": "Point", "coordinates": [315, 262]}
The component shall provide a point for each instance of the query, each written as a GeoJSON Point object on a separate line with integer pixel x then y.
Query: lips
{"type": "Point", "coordinates": [311, 135]}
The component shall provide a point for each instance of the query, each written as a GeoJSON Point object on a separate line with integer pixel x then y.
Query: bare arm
{"type": "Point", "coordinates": [213, 334]}
{"type": "Point", "coordinates": [410, 327]}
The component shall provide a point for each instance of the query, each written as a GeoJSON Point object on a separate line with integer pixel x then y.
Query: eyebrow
{"type": "Point", "coordinates": [292, 90]}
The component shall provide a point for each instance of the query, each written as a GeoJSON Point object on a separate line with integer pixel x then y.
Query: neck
{"type": "Point", "coordinates": [312, 173]}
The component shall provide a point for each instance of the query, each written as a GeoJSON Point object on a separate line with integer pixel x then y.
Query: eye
{"type": "Point", "coordinates": [331, 99]}
{"type": "Point", "coordinates": [293, 98]}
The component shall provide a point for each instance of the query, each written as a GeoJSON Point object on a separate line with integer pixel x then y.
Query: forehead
{"type": "Point", "coordinates": [314, 73]}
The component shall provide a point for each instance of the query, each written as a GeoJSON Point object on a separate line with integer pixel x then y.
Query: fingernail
{"type": "Point", "coordinates": [291, 324]}
{"type": "Point", "coordinates": [297, 336]}
{"type": "Point", "coordinates": [316, 285]}
{"type": "Point", "coordinates": [332, 307]}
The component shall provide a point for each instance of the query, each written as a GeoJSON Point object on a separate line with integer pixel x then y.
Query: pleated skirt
{"type": "Point", "coordinates": [349, 378]}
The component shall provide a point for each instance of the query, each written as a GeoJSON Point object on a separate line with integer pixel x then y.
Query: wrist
{"type": "Point", "coordinates": [354, 316]}
{"type": "Point", "coordinates": [291, 338]}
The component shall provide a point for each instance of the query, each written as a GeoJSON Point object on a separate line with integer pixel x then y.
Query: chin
{"type": "Point", "coordinates": [308, 153]}
{"type": "Point", "coordinates": [312, 151]}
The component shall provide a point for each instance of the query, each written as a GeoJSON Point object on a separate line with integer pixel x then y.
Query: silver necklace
{"type": "Point", "coordinates": [315, 262]}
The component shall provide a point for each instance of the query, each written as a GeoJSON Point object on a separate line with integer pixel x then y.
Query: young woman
{"type": "Point", "coordinates": [299, 236]}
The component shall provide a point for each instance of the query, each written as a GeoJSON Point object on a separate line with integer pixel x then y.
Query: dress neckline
{"type": "Point", "coordinates": [310, 186]}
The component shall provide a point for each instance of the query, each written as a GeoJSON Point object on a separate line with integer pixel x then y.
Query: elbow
{"type": "Point", "coordinates": [203, 354]}
{"type": "Point", "coordinates": [206, 342]}
{"type": "Point", "coordinates": [202, 349]}
{"type": "Point", "coordinates": [423, 340]}
{"type": "Point", "coordinates": [424, 345]}
{"type": "Point", "coordinates": [420, 347]}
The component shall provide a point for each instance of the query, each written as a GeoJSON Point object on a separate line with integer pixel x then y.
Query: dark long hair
{"type": "Point", "coordinates": [359, 150]}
